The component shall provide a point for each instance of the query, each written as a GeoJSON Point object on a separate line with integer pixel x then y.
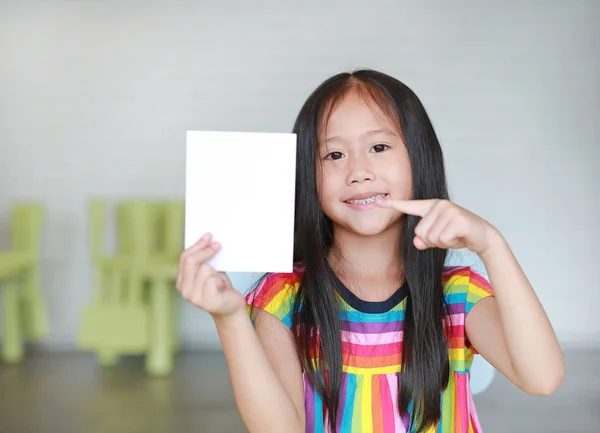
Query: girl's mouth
{"type": "Point", "coordinates": [367, 200]}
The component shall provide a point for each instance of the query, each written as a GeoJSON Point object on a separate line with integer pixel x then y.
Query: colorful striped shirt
{"type": "Point", "coordinates": [372, 334]}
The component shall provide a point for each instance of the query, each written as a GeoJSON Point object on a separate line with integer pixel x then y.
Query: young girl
{"type": "Point", "coordinates": [374, 331]}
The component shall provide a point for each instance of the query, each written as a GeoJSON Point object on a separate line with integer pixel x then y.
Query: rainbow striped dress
{"type": "Point", "coordinates": [372, 348]}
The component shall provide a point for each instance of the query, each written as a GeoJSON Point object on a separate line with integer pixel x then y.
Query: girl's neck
{"type": "Point", "coordinates": [370, 266]}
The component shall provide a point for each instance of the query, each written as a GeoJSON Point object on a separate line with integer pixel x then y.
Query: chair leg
{"type": "Point", "coordinates": [107, 358]}
{"type": "Point", "coordinates": [12, 346]}
{"type": "Point", "coordinates": [176, 343]}
{"type": "Point", "coordinates": [34, 311]}
{"type": "Point", "coordinates": [159, 360]}
{"type": "Point", "coordinates": [111, 284]}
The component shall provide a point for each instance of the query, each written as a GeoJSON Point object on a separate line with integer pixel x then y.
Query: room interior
{"type": "Point", "coordinates": [95, 101]}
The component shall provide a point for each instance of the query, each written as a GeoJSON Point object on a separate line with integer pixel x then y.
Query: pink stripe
{"type": "Point", "coordinates": [392, 381]}
{"type": "Point", "coordinates": [387, 403]}
{"type": "Point", "coordinates": [457, 319]}
{"type": "Point", "coordinates": [365, 339]}
{"type": "Point", "coordinates": [370, 351]}
{"type": "Point", "coordinates": [474, 417]}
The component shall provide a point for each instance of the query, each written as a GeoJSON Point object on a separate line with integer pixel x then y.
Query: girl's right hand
{"type": "Point", "coordinates": [204, 287]}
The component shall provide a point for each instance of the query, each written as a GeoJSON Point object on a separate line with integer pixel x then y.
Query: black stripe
{"type": "Point", "coordinates": [370, 306]}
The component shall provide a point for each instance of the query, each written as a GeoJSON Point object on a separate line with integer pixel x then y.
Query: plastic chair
{"type": "Point", "coordinates": [134, 310]}
{"type": "Point", "coordinates": [118, 321]}
{"type": "Point", "coordinates": [159, 270]}
{"type": "Point", "coordinates": [24, 309]}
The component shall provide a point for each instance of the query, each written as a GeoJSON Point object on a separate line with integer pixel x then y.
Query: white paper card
{"type": "Point", "coordinates": [240, 186]}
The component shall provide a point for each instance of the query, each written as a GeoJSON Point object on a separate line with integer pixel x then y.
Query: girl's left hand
{"type": "Point", "coordinates": [445, 225]}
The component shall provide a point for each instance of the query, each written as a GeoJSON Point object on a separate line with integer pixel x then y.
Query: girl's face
{"type": "Point", "coordinates": [362, 158]}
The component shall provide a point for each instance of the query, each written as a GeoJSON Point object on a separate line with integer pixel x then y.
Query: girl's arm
{"type": "Point", "coordinates": [512, 330]}
{"type": "Point", "coordinates": [265, 372]}
{"type": "Point", "coordinates": [263, 365]}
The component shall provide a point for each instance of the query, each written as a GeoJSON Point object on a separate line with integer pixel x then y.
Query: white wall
{"type": "Point", "coordinates": [96, 96]}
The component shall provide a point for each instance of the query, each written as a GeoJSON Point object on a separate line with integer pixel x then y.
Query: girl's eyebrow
{"type": "Point", "coordinates": [366, 134]}
{"type": "Point", "coordinates": [383, 131]}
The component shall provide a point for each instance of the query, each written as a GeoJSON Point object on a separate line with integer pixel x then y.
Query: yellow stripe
{"type": "Point", "coordinates": [279, 299]}
{"type": "Point", "coordinates": [452, 420]}
{"type": "Point", "coordinates": [366, 405]}
{"type": "Point", "coordinates": [458, 280]}
{"type": "Point", "coordinates": [370, 371]}
{"type": "Point", "coordinates": [477, 292]}
{"type": "Point", "coordinates": [457, 354]}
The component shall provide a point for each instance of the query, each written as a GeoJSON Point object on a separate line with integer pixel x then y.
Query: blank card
{"type": "Point", "coordinates": [240, 186]}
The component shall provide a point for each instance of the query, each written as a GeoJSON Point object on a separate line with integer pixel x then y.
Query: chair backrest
{"type": "Point", "coordinates": [123, 228]}
{"type": "Point", "coordinates": [151, 227]}
{"type": "Point", "coordinates": [97, 215]}
{"type": "Point", "coordinates": [143, 228]}
{"type": "Point", "coordinates": [140, 228]}
{"type": "Point", "coordinates": [174, 229]}
{"type": "Point", "coordinates": [27, 227]}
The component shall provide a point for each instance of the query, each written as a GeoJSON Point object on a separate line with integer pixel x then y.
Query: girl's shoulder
{"type": "Point", "coordinates": [464, 287]}
{"type": "Point", "coordinates": [275, 294]}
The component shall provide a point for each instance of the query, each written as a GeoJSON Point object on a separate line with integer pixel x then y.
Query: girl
{"type": "Point", "coordinates": [373, 331]}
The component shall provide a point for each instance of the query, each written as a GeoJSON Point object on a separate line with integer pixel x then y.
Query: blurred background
{"type": "Point", "coordinates": [95, 100]}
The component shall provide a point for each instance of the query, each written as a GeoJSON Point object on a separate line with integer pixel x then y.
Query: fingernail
{"type": "Point", "coordinates": [215, 245]}
{"type": "Point", "coordinates": [202, 240]}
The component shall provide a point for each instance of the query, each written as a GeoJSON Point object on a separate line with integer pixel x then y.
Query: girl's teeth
{"type": "Point", "coordinates": [367, 200]}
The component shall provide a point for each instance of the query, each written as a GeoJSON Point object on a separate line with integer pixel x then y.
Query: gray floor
{"type": "Point", "coordinates": [68, 392]}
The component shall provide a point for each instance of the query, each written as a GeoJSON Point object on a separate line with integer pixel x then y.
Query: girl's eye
{"type": "Point", "coordinates": [334, 155]}
{"type": "Point", "coordinates": [378, 148]}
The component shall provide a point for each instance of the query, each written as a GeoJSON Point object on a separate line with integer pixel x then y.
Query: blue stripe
{"type": "Point", "coordinates": [287, 319]}
{"type": "Point", "coordinates": [357, 316]}
{"type": "Point", "coordinates": [456, 298]}
{"type": "Point", "coordinates": [347, 419]}
{"type": "Point", "coordinates": [319, 424]}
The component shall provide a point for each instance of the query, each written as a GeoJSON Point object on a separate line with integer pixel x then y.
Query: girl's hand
{"type": "Point", "coordinates": [201, 285]}
{"type": "Point", "coordinates": [445, 225]}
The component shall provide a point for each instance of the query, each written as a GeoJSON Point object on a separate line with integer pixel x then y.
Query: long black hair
{"type": "Point", "coordinates": [425, 362]}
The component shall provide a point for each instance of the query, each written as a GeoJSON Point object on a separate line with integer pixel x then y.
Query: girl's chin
{"type": "Point", "coordinates": [372, 228]}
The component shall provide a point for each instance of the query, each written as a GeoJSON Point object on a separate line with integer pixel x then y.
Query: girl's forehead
{"type": "Point", "coordinates": [355, 115]}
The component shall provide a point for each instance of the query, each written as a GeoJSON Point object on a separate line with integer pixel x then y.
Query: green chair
{"type": "Point", "coordinates": [24, 310]}
{"type": "Point", "coordinates": [157, 239]}
{"type": "Point", "coordinates": [161, 273]}
{"type": "Point", "coordinates": [133, 311]}
{"type": "Point", "coordinates": [117, 322]}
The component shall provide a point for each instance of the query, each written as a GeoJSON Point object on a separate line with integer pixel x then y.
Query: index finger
{"type": "Point", "coordinates": [409, 207]}
{"type": "Point", "coordinates": [192, 261]}
{"type": "Point", "coordinates": [201, 243]}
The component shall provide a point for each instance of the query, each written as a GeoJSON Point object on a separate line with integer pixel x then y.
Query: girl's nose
{"type": "Point", "coordinates": [359, 171]}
